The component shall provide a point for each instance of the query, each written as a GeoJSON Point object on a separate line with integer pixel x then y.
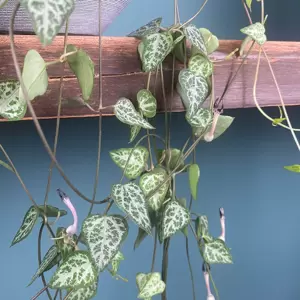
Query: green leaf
{"type": "Point", "coordinates": [104, 235]}
{"type": "Point", "coordinates": [201, 227]}
{"type": "Point", "coordinates": [134, 131]}
{"type": "Point", "coordinates": [77, 271]}
{"type": "Point", "coordinates": [179, 46]}
{"type": "Point", "coordinates": [126, 113]}
{"type": "Point", "coordinates": [216, 252]}
{"type": "Point", "coordinates": [278, 121]}
{"type": "Point", "coordinates": [65, 244]}
{"type": "Point", "coordinates": [5, 165]}
{"type": "Point", "coordinates": [156, 47]}
{"type": "Point", "coordinates": [84, 293]}
{"type": "Point", "coordinates": [142, 234]}
{"type": "Point", "coordinates": [149, 183]}
{"type": "Point", "coordinates": [147, 103]}
{"type": "Point", "coordinates": [256, 31]}
{"type": "Point", "coordinates": [51, 254]}
{"type": "Point", "coordinates": [211, 41]}
{"type": "Point", "coordinates": [172, 157]}
{"type": "Point", "coordinates": [27, 225]}
{"type": "Point", "coordinates": [194, 35]}
{"type": "Point", "coordinates": [48, 16]}
{"type": "Point", "coordinates": [130, 198]}
{"type": "Point", "coordinates": [194, 175]}
{"type": "Point", "coordinates": [149, 285]}
{"type": "Point", "coordinates": [293, 168]}
{"type": "Point", "coordinates": [202, 118]}
{"type": "Point", "coordinates": [200, 65]}
{"type": "Point", "coordinates": [249, 3]}
{"type": "Point", "coordinates": [150, 28]}
{"type": "Point", "coordinates": [51, 211]}
{"type": "Point", "coordinates": [136, 164]}
{"type": "Point", "coordinates": [175, 218]}
{"type": "Point", "coordinates": [11, 106]}
{"type": "Point", "coordinates": [34, 75]}
{"type": "Point", "coordinates": [115, 263]}
{"type": "Point", "coordinates": [83, 68]}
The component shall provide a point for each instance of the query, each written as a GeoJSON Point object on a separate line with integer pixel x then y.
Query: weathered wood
{"type": "Point", "coordinates": [122, 74]}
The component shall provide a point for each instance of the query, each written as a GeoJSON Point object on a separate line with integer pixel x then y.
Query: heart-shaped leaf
{"type": "Point", "coordinates": [156, 47]}
{"type": "Point", "coordinates": [216, 252]}
{"type": "Point", "coordinates": [256, 31]}
{"type": "Point", "coordinates": [194, 35]}
{"type": "Point", "coordinates": [27, 225]}
{"type": "Point", "coordinates": [293, 168]}
{"type": "Point", "coordinates": [149, 183]}
{"type": "Point", "coordinates": [211, 42]}
{"type": "Point", "coordinates": [137, 159]}
{"type": "Point", "coordinates": [126, 113]}
{"type": "Point", "coordinates": [83, 67]}
{"type": "Point", "coordinates": [48, 16]}
{"type": "Point", "coordinates": [34, 75]}
{"type": "Point", "coordinates": [173, 158]}
{"type": "Point", "coordinates": [115, 263]}
{"type": "Point", "coordinates": [149, 285]}
{"type": "Point", "coordinates": [150, 28]}
{"type": "Point", "coordinates": [11, 106]}
{"type": "Point", "coordinates": [65, 244]}
{"type": "Point", "coordinates": [76, 272]}
{"type": "Point", "coordinates": [194, 175]}
{"type": "Point", "coordinates": [130, 198]}
{"type": "Point", "coordinates": [104, 235]}
{"type": "Point", "coordinates": [200, 65]}
{"type": "Point", "coordinates": [202, 118]}
{"type": "Point", "coordinates": [175, 218]}
{"type": "Point", "coordinates": [51, 211]}
{"type": "Point", "coordinates": [134, 131]}
{"type": "Point", "coordinates": [84, 293]}
{"type": "Point", "coordinates": [147, 103]}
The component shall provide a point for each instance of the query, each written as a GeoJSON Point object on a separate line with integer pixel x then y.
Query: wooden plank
{"type": "Point", "coordinates": [122, 74]}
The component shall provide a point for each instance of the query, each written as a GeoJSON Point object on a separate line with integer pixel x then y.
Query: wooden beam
{"type": "Point", "coordinates": [122, 74]}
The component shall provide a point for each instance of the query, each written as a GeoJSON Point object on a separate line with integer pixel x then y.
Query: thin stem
{"type": "Point", "coordinates": [154, 251]}
{"type": "Point", "coordinates": [165, 106]}
{"type": "Point", "coordinates": [39, 293]}
{"type": "Point", "coordinates": [190, 266]}
{"type": "Point", "coordinates": [262, 11]}
{"type": "Point", "coordinates": [247, 12]}
{"type": "Point", "coordinates": [56, 294]}
{"type": "Point", "coordinates": [165, 262]}
{"type": "Point", "coordinates": [148, 131]}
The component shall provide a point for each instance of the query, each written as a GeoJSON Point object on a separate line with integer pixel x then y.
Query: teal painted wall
{"type": "Point", "coordinates": [241, 171]}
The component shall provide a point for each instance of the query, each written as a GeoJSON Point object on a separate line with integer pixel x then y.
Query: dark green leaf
{"type": "Point", "coordinates": [52, 211]}
{"type": "Point", "coordinates": [150, 28]}
{"type": "Point", "coordinates": [147, 103]}
{"type": "Point", "coordinates": [194, 175]}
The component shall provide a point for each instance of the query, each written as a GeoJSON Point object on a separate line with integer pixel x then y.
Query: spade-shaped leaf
{"type": "Point", "coordinates": [194, 175]}
{"type": "Point", "coordinates": [223, 123]}
{"type": "Point", "coordinates": [147, 103]}
{"type": "Point", "coordinates": [134, 131]}
{"type": "Point", "coordinates": [194, 35]}
{"type": "Point", "coordinates": [137, 159]}
{"type": "Point", "coordinates": [149, 285]}
{"type": "Point", "coordinates": [216, 252]}
{"type": "Point", "coordinates": [211, 42]}
{"type": "Point", "coordinates": [84, 293]}
{"type": "Point", "coordinates": [150, 28]}
{"type": "Point", "coordinates": [130, 198]}
{"type": "Point", "coordinates": [200, 65]}
{"type": "Point", "coordinates": [201, 226]}
{"type": "Point", "coordinates": [149, 183]}
{"type": "Point", "coordinates": [27, 225]}
{"type": "Point", "coordinates": [156, 47]}
{"type": "Point", "coordinates": [115, 263]}
{"type": "Point", "coordinates": [51, 211]}
{"type": "Point", "coordinates": [83, 67]}
{"type": "Point", "coordinates": [34, 75]}
{"type": "Point", "coordinates": [173, 158]}
{"type": "Point", "coordinates": [202, 118]}
{"type": "Point", "coordinates": [77, 271]}
{"type": "Point", "coordinates": [126, 113]}
{"type": "Point", "coordinates": [175, 218]}
{"type": "Point", "coordinates": [48, 16]}
{"type": "Point", "coordinates": [256, 31]}
{"type": "Point", "coordinates": [104, 235]}
{"type": "Point", "coordinates": [293, 168]}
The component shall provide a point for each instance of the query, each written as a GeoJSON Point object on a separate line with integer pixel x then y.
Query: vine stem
{"type": "Point", "coordinates": [165, 263]}
{"type": "Point", "coordinates": [40, 293]}
{"type": "Point", "coordinates": [154, 251]}
{"type": "Point", "coordinates": [148, 132]}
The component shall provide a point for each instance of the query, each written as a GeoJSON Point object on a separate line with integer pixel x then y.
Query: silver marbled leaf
{"type": "Point", "coordinates": [147, 103]}
{"type": "Point", "coordinates": [216, 252]}
{"type": "Point", "coordinates": [194, 35]}
{"type": "Point", "coordinates": [202, 118]}
{"type": "Point", "coordinates": [150, 28]}
{"type": "Point", "coordinates": [256, 31]}
{"type": "Point", "coordinates": [149, 285]}
{"type": "Point", "coordinates": [201, 66]}
{"type": "Point", "coordinates": [84, 293]}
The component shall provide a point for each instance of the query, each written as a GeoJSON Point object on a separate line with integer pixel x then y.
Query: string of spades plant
{"type": "Point", "coordinates": [146, 194]}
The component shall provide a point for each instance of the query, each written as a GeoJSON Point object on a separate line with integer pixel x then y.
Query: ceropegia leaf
{"type": "Point", "coordinates": [182, 202]}
{"type": "Point", "coordinates": [149, 285]}
{"type": "Point", "coordinates": [65, 244]}
{"type": "Point", "coordinates": [200, 65]}
{"type": "Point", "coordinates": [34, 75]}
{"type": "Point", "coordinates": [156, 47]}
{"type": "Point", "coordinates": [201, 226]}
{"type": "Point", "coordinates": [48, 16]}
{"type": "Point", "coordinates": [84, 293]}
{"type": "Point", "coordinates": [256, 31]}
{"type": "Point", "coordinates": [178, 39]}
{"type": "Point", "coordinates": [115, 263]}
{"type": "Point", "coordinates": [293, 168]}
{"type": "Point", "coordinates": [179, 46]}
{"type": "Point", "coordinates": [175, 218]}
{"type": "Point", "coordinates": [77, 271]}
{"type": "Point", "coordinates": [202, 118]}
{"type": "Point", "coordinates": [137, 159]}
{"type": "Point", "coordinates": [150, 28]}
{"type": "Point", "coordinates": [149, 183]}
{"type": "Point", "coordinates": [51, 254]}
{"type": "Point", "coordinates": [194, 35]}
{"type": "Point", "coordinates": [134, 131]}
{"type": "Point", "coordinates": [173, 158]}
{"type": "Point", "coordinates": [130, 198]}
{"type": "Point", "coordinates": [51, 211]}
{"type": "Point", "coordinates": [194, 175]}
{"type": "Point", "coordinates": [5, 165]}
{"type": "Point", "coordinates": [223, 123]}
{"type": "Point", "coordinates": [211, 41]}
{"type": "Point", "coordinates": [147, 103]}
{"type": "Point", "coordinates": [27, 225]}
{"type": "Point", "coordinates": [126, 113]}
{"type": "Point", "coordinates": [11, 106]}
{"type": "Point", "coordinates": [142, 234]}
{"type": "Point", "coordinates": [249, 3]}
{"type": "Point", "coordinates": [83, 67]}
{"type": "Point", "coordinates": [104, 235]}
{"type": "Point", "coordinates": [216, 252]}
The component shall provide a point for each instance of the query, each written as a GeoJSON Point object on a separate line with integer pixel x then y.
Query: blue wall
{"type": "Point", "coordinates": [241, 171]}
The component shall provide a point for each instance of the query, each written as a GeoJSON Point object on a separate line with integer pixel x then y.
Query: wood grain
{"type": "Point", "coordinates": [122, 74]}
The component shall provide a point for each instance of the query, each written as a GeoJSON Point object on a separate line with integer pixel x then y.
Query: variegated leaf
{"type": "Point", "coordinates": [201, 227]}
{"type": "Point", "coordinates": [147, 103]}
{"type": "Point", "coordinates": [256, 31]}
{"type": "Point", "coordinates": [175, 218]}
{"type": "Point", "coordinates": [27, 225]}
{"type": "Point", "coordinates": [150, 28]}
{"type": "Point", "coordinates": [149, 285]}
{"type": "Point", "coordinates": [202, 118]}
{"type": "Point", "coordinates": [130, 198]}
{"type": "Point", "coordinates": [211, 41]}
{"type": "Point", "coordinates": [216, 252]}
{"type": "Point", "coordinates": [115, 263]}
{"type": "Point", "coordinates": [104, 235]}
{"type": "Point", "coordinates": [149, 183]}
{"type": "Point", "coordinates": [126, 113]}
{"type": "Point", "coordinates": [84, 293]}
{"type": "Point", "coordinates": [64, 243]}
{"type": "Point", "coordinates": [194, 35]}
{"type": "Point", "coordinates": [137, 159]}
{"type": "Point", "coordinates": [194, 175]}
{"type": "Point", "coordinates": [76, 272]}
{"type": "Point", "coordinates": [11, 106]}
{"type": "Point", "coordinates": [51, 211]}
{"type": "Point", "coordinates": [48, 16]}
{"type": "Point", "coordinates": [200, 65]}
{"type": "Point", "coordinates": [171, 158]}
{"type": "Point", "coordinates": [142, 234]}
{"type": "Point", "coordinates": [156, 47]}
{"type": "Point", "coordinates": [134, 131]}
